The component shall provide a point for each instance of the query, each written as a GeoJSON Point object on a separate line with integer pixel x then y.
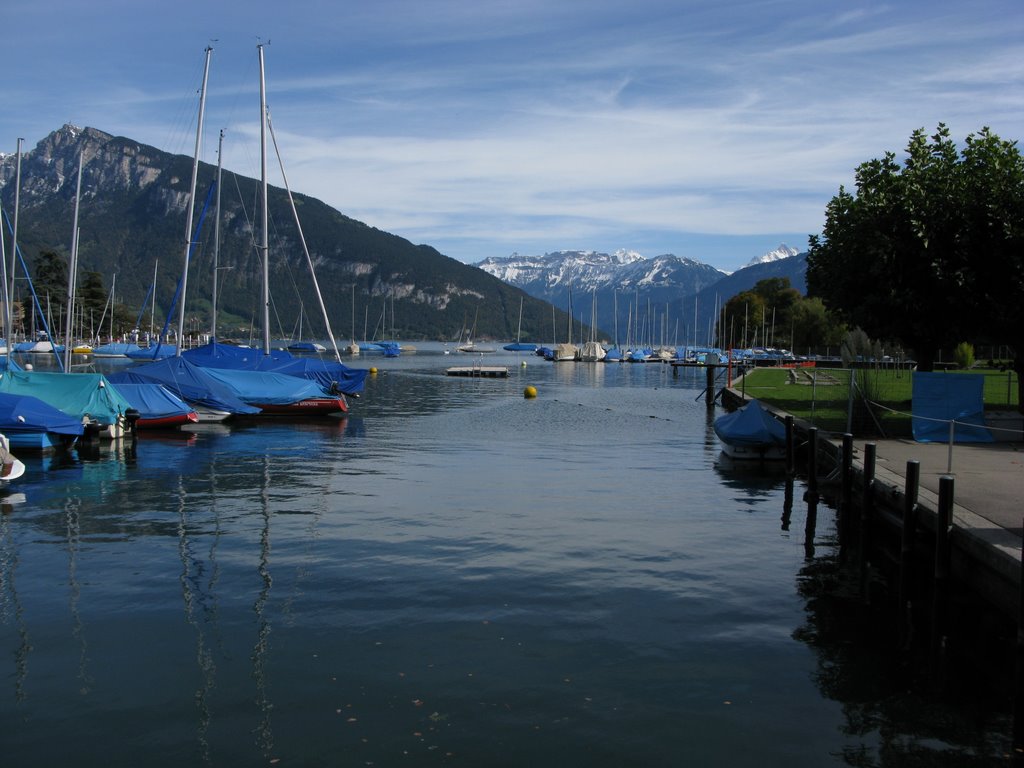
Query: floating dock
{"type": "Point", "coordinates": [479, 371]}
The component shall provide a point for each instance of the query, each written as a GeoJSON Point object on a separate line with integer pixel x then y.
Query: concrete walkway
{"type": "Point", "coordinates": [988, 478]}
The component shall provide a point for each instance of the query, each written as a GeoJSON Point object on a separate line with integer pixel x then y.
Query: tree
{"type": "Point", "coordinates": [890, 258]}
{"type": "Point", "coordinates": [933, 252]}
{"type": "Point", "coordinates": [51, 288]}
{"type": "Point", "coordinates": [773, 312]}
{"type": "Point", "coordinates": [993, 206]}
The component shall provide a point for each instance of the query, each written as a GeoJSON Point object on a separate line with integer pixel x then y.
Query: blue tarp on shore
{"type": "Point", "coordinates": [942, 398]}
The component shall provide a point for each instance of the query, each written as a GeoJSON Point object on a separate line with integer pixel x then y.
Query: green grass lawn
{"type": "Point", "coordinates": [822, 396]}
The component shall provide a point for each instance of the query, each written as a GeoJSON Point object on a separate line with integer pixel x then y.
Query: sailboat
{"type": "Point", "coordinates": [518, 345]}
{"type": "Point", "coordinates": [353, 347]}
{"type": "Point", "coordinates": [255, 379]}
{"type": "Point", "coordinates": [88, 398]}
{"type": "Point", "coordinates": [470, 345]}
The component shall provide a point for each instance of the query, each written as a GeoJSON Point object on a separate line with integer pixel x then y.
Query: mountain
{"type": "Point", "coordinates": [675, 297]}
{"type": "Point", "coordinates": [132, 220]}
{"type": "Point", "coordinates": [624, 279]}
{"type": "Point", "coordinates": [703, 303]}
{"type": "Point", "coordinates": [782, 252]}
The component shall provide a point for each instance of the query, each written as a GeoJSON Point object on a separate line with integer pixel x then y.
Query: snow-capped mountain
{"type": "Point", "coordinates": [782, 252]}
{"type": "Point", "coordinates": [586, 281]}
{"type": "Point", "coordinates": [552, 275]}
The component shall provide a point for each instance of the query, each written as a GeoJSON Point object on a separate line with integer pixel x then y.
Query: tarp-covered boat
{"type": "Point", "coordinates": [32, 425]}
{"type": "Point", "coordinates": [115, 349]}
{"type": "Point", "coordinates": [333, 377]}
{"type": "Point", "coordinates": [751, 433]}
{"type": "Point", "coordinates": [158, 407]}
{"type": "Point", "coordinates": [191, 383]}
{"type": "Point", "coordinates": [88, 397]}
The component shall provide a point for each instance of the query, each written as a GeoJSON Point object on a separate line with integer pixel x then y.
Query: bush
{"type": "Point", "coordinates": [963, 355]}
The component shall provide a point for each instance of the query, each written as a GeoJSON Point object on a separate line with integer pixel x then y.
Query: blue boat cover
{"type": "Point", "coordinates": [24, 414]}
{"type": "Point", "coordinates": [76, 394]}
{"type": "Point", "coordinates": [189, 382]}
{"type": "Point", "coordinates": [750, 426]}
{"type": "Point", "coordinates": [116, 348]}
{"type": "Point", "coordinates": [520, 346]}
{"type": "Point", "coordinates": [158, 351]}
{"type": "Point", "coordinates": [260, 387]}
{"type": "Point", "coordinates": [940, 398]}
{"type": "Point", "coordinates": [152, 400]}
{"type": "Point", "coordinates": [326, 373]}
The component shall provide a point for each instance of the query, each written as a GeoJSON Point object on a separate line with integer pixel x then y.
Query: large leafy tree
{"type": "Point", "coordinates": [927, 252]}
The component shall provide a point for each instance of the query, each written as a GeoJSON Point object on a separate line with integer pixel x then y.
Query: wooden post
{"type": "Point", "coordinates": [866, 512]}
{"type": "Point", "coordinates": [907, 550]}
{"type": "Point", "coordinates": [845, 494]}
{"type": "Point", "coordinates": [790, 448]}
{"type": "Point", "coordinates": [811, 496]}
{"type": "Point", "coordinates": [940, 592]}
{"type": "Point", "coordinates": [1018, 676]}
{"type": "Point", "coordinates": [709, 393]}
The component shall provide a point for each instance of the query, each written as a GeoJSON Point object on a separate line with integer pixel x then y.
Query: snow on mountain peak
{"type": "Point", "coordinates": [782, 252]}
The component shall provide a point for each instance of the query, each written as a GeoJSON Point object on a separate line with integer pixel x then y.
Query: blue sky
{"type": "Point", "coordinates": [714, 131]}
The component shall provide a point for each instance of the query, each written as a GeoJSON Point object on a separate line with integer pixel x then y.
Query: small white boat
{"type": "Point", "coordinates": [11, 467]}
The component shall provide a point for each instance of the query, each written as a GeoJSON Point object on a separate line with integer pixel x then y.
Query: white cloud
{"type": "Point", "coordinates": [487, 126]}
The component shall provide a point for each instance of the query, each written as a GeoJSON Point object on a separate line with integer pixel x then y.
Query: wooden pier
{"type": "Point", "coordinates": [479, 371]}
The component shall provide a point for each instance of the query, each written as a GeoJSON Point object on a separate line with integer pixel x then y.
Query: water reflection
{"type": "Point", "coordinates": [576, 578]}
{"type": "Point", "coordinates": [895, 713]}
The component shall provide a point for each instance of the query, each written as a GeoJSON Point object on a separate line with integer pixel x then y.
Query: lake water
{"type": "Point", "coordinates": [453, 575]}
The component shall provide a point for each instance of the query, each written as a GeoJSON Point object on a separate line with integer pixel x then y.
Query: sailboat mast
{"type": "Point", "coordinates": [216, 239]}
{"type": "Point", "coordinates": [73, 270]}
{"type": "Point", "coordinates": [305, 249]}
{"type": "Point", "coordinates": [191, 201]}
{"type": "Point", "coordinates": [14, 246]}
{"type": "Point", "coordinates": [265, 233]}
{"type": "Point", "coordinates": [152, 311]}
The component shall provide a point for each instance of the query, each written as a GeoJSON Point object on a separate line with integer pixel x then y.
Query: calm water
{"type": "Point", "coordinates": [453, 575]}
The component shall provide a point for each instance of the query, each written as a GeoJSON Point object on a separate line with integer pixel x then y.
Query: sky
{"type": "Point", "coordinates": [714, 131]}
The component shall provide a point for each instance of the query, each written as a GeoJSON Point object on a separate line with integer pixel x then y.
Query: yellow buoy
{"type": "Point", "coordinates": [523, 364]}
{"type": "Point", "coordinates": [373, 371]}
{"type": "Point", "coordinates": [530, 392]}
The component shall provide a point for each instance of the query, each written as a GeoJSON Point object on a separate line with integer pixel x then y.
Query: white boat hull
{"type": "Point", "coordinates": [772, 452]}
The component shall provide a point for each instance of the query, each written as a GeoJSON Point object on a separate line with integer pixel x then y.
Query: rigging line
{"type": "Point", "coordinates": [302, 237]}
{"type": "Point", "coordinates": [193, 242]}
{"type": "Point", "coordinates": [35, 298]}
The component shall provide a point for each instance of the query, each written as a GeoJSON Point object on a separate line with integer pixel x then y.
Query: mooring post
{"type": "Point", "coordinates": [845, 494]}
{"type": "Point", "coordinates": [709, 393]}
{"type": "Point", "coordinates": [1018, 676]}
{"type": "Point", "coordinates": [940, 591]}
{"type": "Point", "coordinates": [811, 496]}
{"type": "Point", "coordinates": [907, 548]}
{"type": "Point", "coordinates": [790, 448]}
{"type": "Point", "coordinates": [866, 511]}
{"type": "Point", "coordinates": [812, 463]}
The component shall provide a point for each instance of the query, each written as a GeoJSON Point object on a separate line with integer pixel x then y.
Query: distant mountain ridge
{"type": "Point", "coordinates": [132, 219]}
{"type": "Point", "coordinates": [683, 290]}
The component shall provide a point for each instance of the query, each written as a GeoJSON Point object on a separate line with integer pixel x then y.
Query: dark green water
{"type": "Point", "coordinates": [454, 575]}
